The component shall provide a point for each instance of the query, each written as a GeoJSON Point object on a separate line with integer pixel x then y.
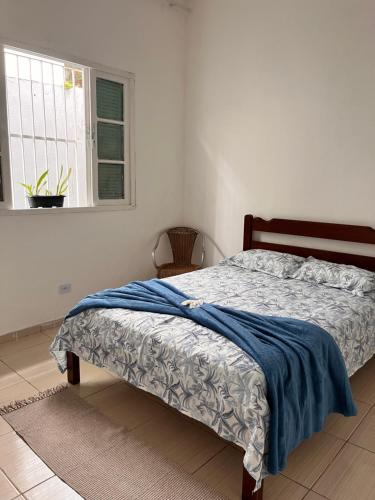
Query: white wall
{"type": "Point", "coordinates": [280, 104]}
{"type": "Point", "coordinates": [280, 113]}
{"type": "Point", "coordinates": [97, 250]}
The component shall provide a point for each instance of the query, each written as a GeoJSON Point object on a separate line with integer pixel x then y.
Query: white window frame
{"type": "Point", "coordinates": [91, 71]}
{"type": "Point", "coordinates": [5, 159]}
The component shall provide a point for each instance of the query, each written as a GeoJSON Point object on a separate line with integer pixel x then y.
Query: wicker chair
{"type": "Point", "coordinates": [182, 240]}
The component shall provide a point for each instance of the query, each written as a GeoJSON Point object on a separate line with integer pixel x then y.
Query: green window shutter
{"type": "Point", "coordinates": [111, 181]}
{"type": "Point", "coordinates": [110, 114]}
{"type": "Point", "coordinates": [110, 141]}
{"type": "Point", "coordinates": [109, 99]}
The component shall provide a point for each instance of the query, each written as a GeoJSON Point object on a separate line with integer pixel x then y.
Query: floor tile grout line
{"type": "Point", "coordinates": [208, 460]}
{"type": "Point", "coordinates": [312, 491]}
{"type": "Point", "coordinates": [294, 481]}
{"type": "Point", "coordinates": [13, 370]}
{"type": "Point", "coordinates": [96, 392]}
{"type": "Point", "coordinates": [325, 469]}
{"type": "Point", "coordinates": [40, 390]}
{"type": "Point", "coordinates": [149, 395]}
{"type": "Point", "coordinates": [371, 403]}
{"type": "Point", "coordinates": [329, 464]}
{"type": "Point", "coordinates": [41, 482]}
{"type": "Point", "coordinates": [23, 378]}
{"type": "Point", "coordinates": [47, 336]}
{"type": "Point", "coordinates": [354, 429]}
{"type": "Point", "coordinates": [361, 447]}
{"type": "Point", "coordinates": [22, 349]}
{"type": "Point", "coordinates": [11, 482]}
{"type": "Point", "coordinates": [360, 423]}
{"type": "Point", "coordinates": [146, 422]}
{"type": "Point", "coordinates": [218, 453]}
{"type": "Point", "coordinates": [18, 496]}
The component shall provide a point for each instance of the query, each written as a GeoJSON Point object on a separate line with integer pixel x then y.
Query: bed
{"type": "Point", "coordinates": [204, 375]}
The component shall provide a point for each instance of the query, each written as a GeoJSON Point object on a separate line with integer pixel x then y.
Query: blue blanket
{"type": "Point", "coordinates": [303, 366]}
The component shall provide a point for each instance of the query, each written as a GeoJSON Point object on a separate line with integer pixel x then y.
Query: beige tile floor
{"type": "Point", "coordinates": [336, 464]}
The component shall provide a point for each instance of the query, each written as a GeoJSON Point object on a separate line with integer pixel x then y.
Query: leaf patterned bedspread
{"type": "Point", "coordinates": [201, 373]}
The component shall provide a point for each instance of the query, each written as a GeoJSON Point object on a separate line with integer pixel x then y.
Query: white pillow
{"type": "Point", "coordinates": [355, 280]}
{"type": "Point", "coordinates": [282, 265]}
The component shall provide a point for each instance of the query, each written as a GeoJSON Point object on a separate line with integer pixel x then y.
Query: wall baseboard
{"type": "Point", "coordinates": [31, 330]}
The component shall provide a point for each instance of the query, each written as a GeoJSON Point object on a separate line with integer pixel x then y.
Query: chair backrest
{"type": "Point", "coordinates": [182, 241]}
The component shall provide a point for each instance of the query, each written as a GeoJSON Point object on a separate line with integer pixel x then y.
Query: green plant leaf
{"type": "Point", "coordinates": [28, 188]}
{"type": "Point", "coordinates": [63, 189]}
{"type": "Point", "coordinates": [59, 180]}
{"type": "Point", "coordinates": [40, 184]}
{"type": "Point", "coordinates": [62, 185]}
{"type": "Point", "coordinates": [39, 181]}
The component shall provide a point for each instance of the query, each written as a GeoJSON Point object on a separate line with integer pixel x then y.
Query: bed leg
{"type": "Point", "coordinates": [73, 368]}
{"type": "Point", "coordinates": [248, 485]}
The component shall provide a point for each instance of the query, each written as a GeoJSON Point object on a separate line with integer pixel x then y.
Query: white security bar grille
{"type": "Point", "coordinates": [46, 123]}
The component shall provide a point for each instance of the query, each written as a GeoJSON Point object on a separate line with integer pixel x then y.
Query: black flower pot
{"type": "Point", "coordinates": [46, 201]}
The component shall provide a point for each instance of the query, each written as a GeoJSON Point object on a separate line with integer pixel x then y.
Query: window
{"type": "Point", "coordinates": [64, 115]}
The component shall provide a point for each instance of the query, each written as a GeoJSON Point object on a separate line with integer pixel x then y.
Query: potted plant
{"type": "Point", "coordinates": [47, 200]}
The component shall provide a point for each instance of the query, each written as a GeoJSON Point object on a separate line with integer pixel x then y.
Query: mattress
{"type": "Point", "coordinates": [201, 373]}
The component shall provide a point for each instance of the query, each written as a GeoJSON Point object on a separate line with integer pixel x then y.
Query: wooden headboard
{"type": "Point", "coordinates": [324, 230]}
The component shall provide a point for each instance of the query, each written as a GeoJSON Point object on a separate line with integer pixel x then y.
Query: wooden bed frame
{"type": "Point", "coordinates": [322, 230]}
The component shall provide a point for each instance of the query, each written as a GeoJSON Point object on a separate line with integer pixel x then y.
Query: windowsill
{"type": "Point", "coordinates": [66, 210]}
